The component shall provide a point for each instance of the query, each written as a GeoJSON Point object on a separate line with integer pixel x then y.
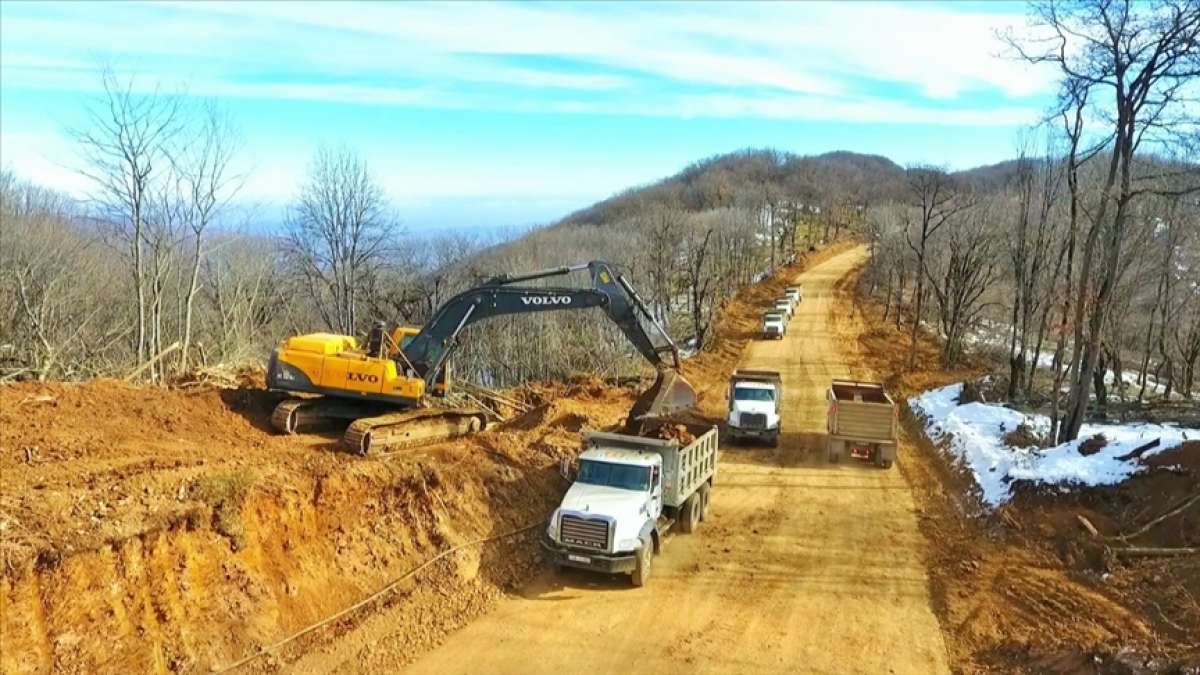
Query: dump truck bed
{"type": "Point", "coordinates": [861, 411]}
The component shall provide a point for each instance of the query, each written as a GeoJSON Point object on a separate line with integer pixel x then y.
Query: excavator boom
{"type": "Point", "coordinates": [610, 291]}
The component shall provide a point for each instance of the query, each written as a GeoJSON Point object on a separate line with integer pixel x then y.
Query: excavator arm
{"type": "Point", "coordinates": [428, 351]}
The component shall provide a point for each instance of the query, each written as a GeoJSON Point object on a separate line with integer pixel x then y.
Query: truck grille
{"type": "Point", "coordinates": [753, 420]}
{"type": "Point", "coordinates": [590, 534]}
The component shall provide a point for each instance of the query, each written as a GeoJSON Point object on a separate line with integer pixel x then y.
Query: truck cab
{"type": "Point", "coordinates": [794, 293]}
{"type": "Point", "coordinates": [627, 494]}
{"type": "Point", "coordinates": [754, 402]}
{"type": "Point", "coordinates": [784, 305]}
{"type": "Point", "coordinates": [616, 494]}
{"type": "Point", "coordinates": [774, 325]}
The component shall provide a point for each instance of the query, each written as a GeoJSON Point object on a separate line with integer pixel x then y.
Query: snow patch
{"type": "Point", "coordinates": [974, 434]}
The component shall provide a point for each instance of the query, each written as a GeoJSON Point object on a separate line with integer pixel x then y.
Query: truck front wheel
{"type": "Point", "coordinates": [642, 571]}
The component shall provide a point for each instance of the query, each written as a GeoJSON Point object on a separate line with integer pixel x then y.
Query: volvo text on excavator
{"type": "Point", "coordinates": [384, 388]}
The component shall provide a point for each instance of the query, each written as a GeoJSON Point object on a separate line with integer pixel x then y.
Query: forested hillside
{"type": "Point", "coordinates": [96, 287]}
{"type": "Point", "coordinates": [158, 259]}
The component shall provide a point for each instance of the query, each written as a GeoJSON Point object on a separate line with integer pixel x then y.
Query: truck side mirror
{"type": "Point", "coordinates": [566, 470]}
{"type": "Point", "coordinates": [653, 477]}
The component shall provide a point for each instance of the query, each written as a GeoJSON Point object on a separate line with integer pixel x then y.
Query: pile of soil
{"type": "Point", "coordinates": [145, 526]}
{"type": "Point", "coordinates": [1157, 509]}
{"type": "Point", "coordinates": [673, 432]}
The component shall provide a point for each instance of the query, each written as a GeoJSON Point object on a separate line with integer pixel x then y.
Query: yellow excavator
{"type": "Point", "coordinates": [386, 388]}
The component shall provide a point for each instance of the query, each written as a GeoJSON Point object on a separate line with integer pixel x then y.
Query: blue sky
{"type": "Point", "coordinates": [512, 114]}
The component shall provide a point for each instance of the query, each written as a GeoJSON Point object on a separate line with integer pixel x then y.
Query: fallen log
{"type": "Point", "coordinates": [1174, 511]}
{"type": "Point", "coordinates": [1139, 451]}
{"type": "Point", "coordinates": [1087, 525]}
{"type": "Point", "coordinates": [1154, 552]}
{"type": "Point", "coordinates": [153, 360]}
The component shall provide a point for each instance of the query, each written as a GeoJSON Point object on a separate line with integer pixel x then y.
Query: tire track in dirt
{"type": "Point", "coordinates": [801, 566]}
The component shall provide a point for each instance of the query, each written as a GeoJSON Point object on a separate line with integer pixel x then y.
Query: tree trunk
{"type": "Point", "coordinates": [189, 303]}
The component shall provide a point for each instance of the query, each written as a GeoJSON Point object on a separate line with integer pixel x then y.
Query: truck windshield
{"type": "Point", "coordinates": [621, 476]}
{"type": "Point", "coordinates": [748, 394]}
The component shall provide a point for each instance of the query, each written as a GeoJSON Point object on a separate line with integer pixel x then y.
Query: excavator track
{"type": "Point", "coordinates": [299, 415]}
{"type": "Point", "coordinates": [374, 428]}
{"type": "Point", "coordinates": [292, 415]}
{"type": "Point", "coordinates": [394, 431]}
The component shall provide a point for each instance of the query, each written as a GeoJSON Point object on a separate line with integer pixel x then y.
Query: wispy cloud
{"type": "Point", "coordinates": [528, 101]}
{"type": "Point", "coordinates": [817, 61]}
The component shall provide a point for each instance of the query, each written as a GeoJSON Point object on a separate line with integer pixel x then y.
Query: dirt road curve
{"type": "Point", "coordinates": [802, 567]}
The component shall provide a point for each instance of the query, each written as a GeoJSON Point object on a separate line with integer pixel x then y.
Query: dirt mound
{"type": "Point", "coordinates": [208, 534]}
{"type": "Point", "coordinates": [1024, 436]}
{"type": "Point", "coordinates": [1157, 510]}
{"type": "Point", "coordinates": [672, 432]}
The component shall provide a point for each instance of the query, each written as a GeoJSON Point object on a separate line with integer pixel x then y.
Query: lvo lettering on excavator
{"type": "Point", "coordinates": [362, 377]}
{"type": "Point", "coordinates": [548, 300]}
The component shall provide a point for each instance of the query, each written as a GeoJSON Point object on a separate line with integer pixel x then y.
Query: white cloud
{"type": "Point", "coordinates": [842, 62]}
{"type": "Point", "coordinates": [42, 158]}
{"type": "Point", "coordinates": [832, 50]}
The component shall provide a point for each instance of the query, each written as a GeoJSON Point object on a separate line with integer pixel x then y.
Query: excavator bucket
{"type": "Point", "coordinates": [669, 394]}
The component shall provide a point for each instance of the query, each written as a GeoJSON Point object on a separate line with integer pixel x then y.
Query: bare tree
{"type": "Point", "coordinates": [701, 278]}
{"type": "Point", "coordinates": [960, 269]}
{"type": "Point", "coordinates": [1030, 246]}
{"type": "Point", "coordinates": [338, 235]}
{"type": "Point", "coordinates": [936, 199]}
{"type": "Point", "coordinates": [125, 147]}
{"type": "Point", "coordinates": [1147, 57]}
{"type": "Point", "coordinates": [204, 185]}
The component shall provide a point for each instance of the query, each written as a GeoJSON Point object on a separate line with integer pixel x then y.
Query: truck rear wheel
{"type": "Point", "coordinates": [883, 455]}
{"type": "Point", "coordinates": [689, 518]}
{"type": "Point", "coordinates": [641, 572]}
{"type": "Point", "coordinates": [705, 494]}
{"type": "Point", "coordinates": [835, 451]}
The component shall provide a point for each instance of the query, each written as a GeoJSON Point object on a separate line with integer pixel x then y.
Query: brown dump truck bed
{"type": "Point", "coordinates": [861, 411]}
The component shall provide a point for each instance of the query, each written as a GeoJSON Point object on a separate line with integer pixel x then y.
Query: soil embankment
{"type": "Point", "coordinates": [169, 530]}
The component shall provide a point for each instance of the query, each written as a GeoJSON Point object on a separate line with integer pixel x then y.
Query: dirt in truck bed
{"type": "Point", "coordinates": [170, 529]}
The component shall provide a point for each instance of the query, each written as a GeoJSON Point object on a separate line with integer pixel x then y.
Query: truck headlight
{"type": "Point", "coordinates": [552, 528]}
{"type": "Point", "coordinates": [733, 419]}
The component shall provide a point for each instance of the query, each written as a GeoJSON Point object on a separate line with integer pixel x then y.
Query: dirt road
{"type": "Point", "coordinates": [802, 567]}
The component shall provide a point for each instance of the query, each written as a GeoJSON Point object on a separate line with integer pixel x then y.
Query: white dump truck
{"type": "Point", "coordinates": [774, 325]}
{"type": "Point", "coordinates": [785, 306]}
{"type": "Point", "coordinates": [754, 400]}
{"type": "Point", "coordinates": [862, 422]}
{"type": "Point", "coordinates": [629, 492]}
{"type": "Point", "coordinates": [795, 293]}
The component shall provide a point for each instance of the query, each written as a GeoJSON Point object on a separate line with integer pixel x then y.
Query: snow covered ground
{"type": "Point", "coordinates": [975, 434]}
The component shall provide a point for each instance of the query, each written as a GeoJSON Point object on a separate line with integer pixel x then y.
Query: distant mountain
{"type": "Point", "coordinates": [991, 177]}
{"type": "Point", "coordinates": [750, 177]}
